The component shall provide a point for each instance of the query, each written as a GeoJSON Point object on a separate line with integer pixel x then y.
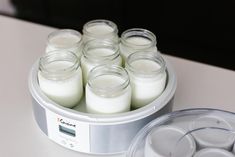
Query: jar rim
{"type": "Point", "coordinates": [102, 70]}
{"type": "Point", "coordinates": [100, 22]}
{"type": "Point", "coordinates": [145, 55]}
{"type": "Point", "coordinates": [64, 31]}
{"type": "Point", "coordinates": [55, 56]}
{"type": "Point", "coordinates": [141, 32]}
{"type": "Point", "coordinates": [99, 44]}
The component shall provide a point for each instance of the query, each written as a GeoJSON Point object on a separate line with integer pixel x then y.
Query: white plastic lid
{"type": "Point", "coordinates": [213, 152]}
{"type": "Point", "coordinates": [164, 141]}
{"type": "Point", "coordinates": [175, 134]}
{"type": "Point", "coordinates": [211, 131]}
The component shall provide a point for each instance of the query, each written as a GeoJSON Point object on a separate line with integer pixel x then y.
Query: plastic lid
{"type": "Point", "coordinates": [175, 134]}
{"type": "Point", "coordinates": [213, 152]}
{"type": "Point", "coordinates": [166, 141]}
{"type": "Point", "coordinates": [212, 131]}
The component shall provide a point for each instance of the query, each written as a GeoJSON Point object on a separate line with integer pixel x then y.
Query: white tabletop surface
{"type": "Point", "coordinates": [199, 85]}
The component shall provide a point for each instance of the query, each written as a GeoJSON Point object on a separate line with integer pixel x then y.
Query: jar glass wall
{"type": "Point", "coordinates": [60, 77]}
{"type": "Point", "coordinates": [108, 90]}
{"type": "Point", "coordinates": [99, 52]}
{"type": "Point", "coordinates": [100, 29]}
{"type": "Point", "coordinates": [65, 39]}
{"type": "Point", "coordinates": [136, 39]}
{"type": "Point", "coordinates": [147, 72]}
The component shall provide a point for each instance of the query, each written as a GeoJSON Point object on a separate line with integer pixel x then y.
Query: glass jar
{"type": "Point", "coordinates": [65, 39]}
{"type": "Point", "coordinates": [100, 29]}
{"type": "Point", "coordinates": [98, 52]}
{"type": "Point", "coordinates": [137, 39]}
{"type": "Point", "coordinates": [147, 72]}
{"type": "Point", "coordinates": [60, 77]}
{"type": "Point", "coordinates": [108, 90]}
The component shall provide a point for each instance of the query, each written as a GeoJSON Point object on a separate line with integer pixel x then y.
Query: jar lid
{"type": "Point", "coordinates": [212, 131]}
{"type": "Point", "coordinates": [184, 133]}
{"type": "Point", "coordinates": [166, 140]}
{"type": "Point", "coordinates": [213, 152]}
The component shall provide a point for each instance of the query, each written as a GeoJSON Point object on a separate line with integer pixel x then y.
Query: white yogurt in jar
{"type": "Point", "coordinates": [137, 39]}
{"type": "Point", "coordinates": [213, 152]}
{"type": "Point", "coordinates": [100, 29]}
{"type": "Point", "coordinates": [169, 141]}
{"type": "Point", "coordinates": [108, 91]}
{"type": "Point", "coordinates": [147, 76]}
{"type": "Point", "coordinates": [65, 39]}
{"type": "Point", "coordinates": [97, 53]}
{"type": "Point", "coordinates": [212, 131]}
{"type": "Point", "coordinates": [61, 80]}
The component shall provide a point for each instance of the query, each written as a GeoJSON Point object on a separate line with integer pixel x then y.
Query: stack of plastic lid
{"type": "Point", "coordinates": [187, 133]}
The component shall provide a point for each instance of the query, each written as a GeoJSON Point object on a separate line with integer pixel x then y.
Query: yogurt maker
{"type": "Point", "coordinates": [92, 133]}
{"type": "Point", "coordinates": [187, 133]}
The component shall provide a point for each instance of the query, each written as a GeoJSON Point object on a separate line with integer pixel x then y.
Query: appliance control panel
{"type": "Point", "coordinates": [68, 132]}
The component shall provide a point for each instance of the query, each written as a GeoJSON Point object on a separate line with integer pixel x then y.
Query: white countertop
{"type": "Point", "coordinates": [199, 85]}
